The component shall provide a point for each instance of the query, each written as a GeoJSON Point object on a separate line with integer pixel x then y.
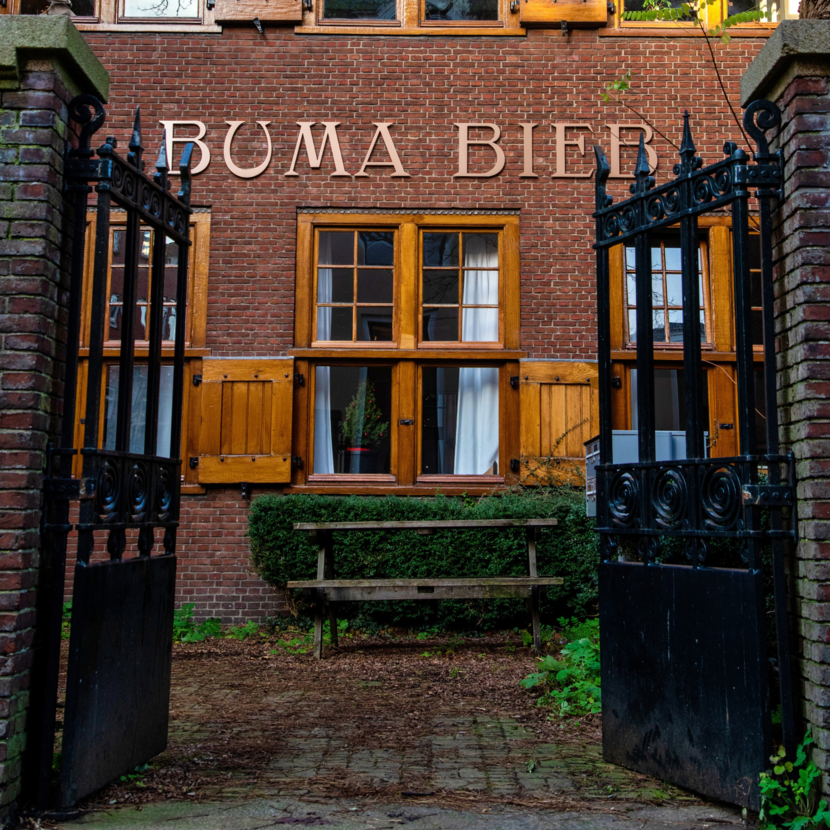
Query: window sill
{"type": "Point", "coordinates": [477, 489]}
{"type": "Point", "coordinates": [170, 28]}
{"type": "Point", "coordinates": [672, 31]}
{"type": "Point", "coordinates": [677, 355]}
{"type": "Point", "coordinates": [428, 31]}
{"type": "Point", "coordinates": [365, 478]}
{"type": "Point", "coordinates": [110, 351]}
{"type": "Point", "coordinates": [411, 354]}
{"type": "Point", "coordinates": [436, 480]}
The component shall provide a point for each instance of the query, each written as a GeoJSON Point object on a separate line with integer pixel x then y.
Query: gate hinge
{"type": "Point", "coordinates": [299, 379]}
{"type": "Point", "coordinates": [768, 495]}
{"type": "Point", "coordinates": [297, 461]}
{"type": "Point", "coordinates": [62, 488]}
{"type": "Point", "coordinates": [197, 379]}
{"type": "Point", "coordinates": [514, 381]}
{"type": "Point", "coordinates": [515, 465]}
{"type": "Point", "coordinates": [194, 462]}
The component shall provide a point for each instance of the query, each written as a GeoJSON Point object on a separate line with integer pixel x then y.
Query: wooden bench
{"type": "Point", "coordinates": [326, 590]}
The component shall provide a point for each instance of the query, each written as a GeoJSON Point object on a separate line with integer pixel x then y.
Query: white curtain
{"type": "Point", "coordinates": [323, 444]}
{"type": "Point", "coordinates": [477, 425]}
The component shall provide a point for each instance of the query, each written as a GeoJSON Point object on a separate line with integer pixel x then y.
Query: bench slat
{"type": "Point", "coordinates": [435, 525]}
{"type": "Point", "coordinates": [363, 590]}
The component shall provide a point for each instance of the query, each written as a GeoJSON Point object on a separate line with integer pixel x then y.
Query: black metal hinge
{"type": "Point", "coordinates": [768, 495]}
{"type": "Point", "coordinates": [197, 379]}
{"type": "Point", "coordinates": [297, 461]}
{"type": "Point", "coordinates": [515, 465]}
{"type": "Point", "coordinates": [299, 379]}
{"type": "Point", "coordinates": [514, 381]}
{"type": "Point", "coordinates": [194, 462]}
{"type": "Point", "coordinates": [62, 488]}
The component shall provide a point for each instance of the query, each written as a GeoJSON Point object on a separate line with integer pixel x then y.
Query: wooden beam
{"type": "Point", "coordinates": [449, 525]}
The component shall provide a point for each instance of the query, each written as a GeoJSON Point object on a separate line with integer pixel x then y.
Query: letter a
{"type": "Point", "coordinates": [383, 132]}
{"type": "Point", "coordinates": [315, 159]}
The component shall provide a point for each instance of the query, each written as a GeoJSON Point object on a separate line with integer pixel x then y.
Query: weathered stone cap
{"type": "Point", "coordinates": [804, 44]}
{"type": "Point", "coordinates": [44, 37]}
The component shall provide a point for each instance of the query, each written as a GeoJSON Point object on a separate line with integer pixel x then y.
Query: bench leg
{"type": "Point", "coordinates": [535, 620]}
{"type": "Point", "coordinates": [318, 627]}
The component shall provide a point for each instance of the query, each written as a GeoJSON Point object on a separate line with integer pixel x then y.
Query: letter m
{"type": "Point", "coordinates": [315, 159]}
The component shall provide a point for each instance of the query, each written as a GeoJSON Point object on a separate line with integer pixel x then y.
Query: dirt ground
{"type": "Point", "coordinates": [381, 720]}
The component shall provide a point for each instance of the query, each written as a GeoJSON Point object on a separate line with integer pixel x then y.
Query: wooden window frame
{"type": "Point", "coordinates": [706, 299]}
{"type": "Point", "coordinates": [410, 20]}
{"type": "Point", "coordinates": [108, 17]}
{"type": "Point", "coordinates": [407, 355]}
{"type": "Point", "coordinates": [195, 349]}
{"type": "Point", "coordinates": [460, 344]}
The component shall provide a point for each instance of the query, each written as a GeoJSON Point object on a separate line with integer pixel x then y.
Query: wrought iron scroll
{"type": "Point", "coordinates": [118, 489]}
{"type": "Point", "coordinates": [698, 499]}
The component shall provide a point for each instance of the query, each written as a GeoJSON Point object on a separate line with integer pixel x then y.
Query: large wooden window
{"type": "Point", "coordinates": [407, 336]}
{"type": "Point", "coordinates": [194, 338]}
{"type": "Point", "coordinates": [140, 15]}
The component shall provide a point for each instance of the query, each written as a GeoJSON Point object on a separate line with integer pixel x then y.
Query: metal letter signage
{"type": "Point", "coordinates": [383, 132]}
{"type": "Point", "coordinates": [252, 172]}
{"type": "Point", "coordinates": [617, 142]}
{"type": "Point", "coordinates": [527, 150]}
{"type": "Point", "coordinates": [171, 139]}
{"type": "Point", "coordinates": [464, 141]}
{"type": "Point", "coordinates": [559, 128]}
{"type": "Point", "coordinates": [315, 160]}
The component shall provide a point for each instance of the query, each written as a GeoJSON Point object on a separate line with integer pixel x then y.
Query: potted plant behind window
{"type": "Point", "coordinates": [363, 428]}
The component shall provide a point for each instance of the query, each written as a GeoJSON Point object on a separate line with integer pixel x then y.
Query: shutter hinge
{"type": "Point", "coordinates": [194, 462]}
{"type": "Point", "coordinates": [297, 461]}
{"type": "Point", "coordinates": [564, 28]}
{"type": "Point", "coordinates": [515, 465]}
{"type": "Point", "coordinates": [616, 383]}
{"type": "Point", "coordinates": [514, 381]}
{"type": "Point", "coordinates": [197, 379]}
{"type": "Point", "coordinates": [246, 490]}
{"type": "Point", "coordinates": [211, 4]}
{"type": "Point", "coordinates": [299, 379]}
{"type": "Point", "coordinates": [514, 6]}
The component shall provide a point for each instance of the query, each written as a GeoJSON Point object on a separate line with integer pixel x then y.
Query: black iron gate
{"type": "Point", "coordinates": [118, 680]}
{"type": "Point", "coordinates": [685, 671]}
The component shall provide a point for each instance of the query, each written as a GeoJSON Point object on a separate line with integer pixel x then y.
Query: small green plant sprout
{"type": "Point", "coordinates": [531, 766]}
{"type": "Point", "coordinates": [136, 776]}
{"type": "Point", "coordinates": [790, 793]}
{"type": "Point", "coordinates": [211, 627]}
{"type": "Point", "coordinates": [454, 672]}
{"type": "Point", "coordinates": [363, 425]}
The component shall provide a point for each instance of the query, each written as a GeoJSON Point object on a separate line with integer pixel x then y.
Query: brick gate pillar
{"type": "Point", "coordinates": [793, 70]}
{"type": "Point", "coordinates": [44, 63]}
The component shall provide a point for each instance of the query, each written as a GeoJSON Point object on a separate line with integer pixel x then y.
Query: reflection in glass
{"type": "Point", "coordinates": [774, 10]}
{"type": "Point", "coordinates": [440, 249]}
{"type": "Point", "coordinates": [359, 10]}
{"type": "Point", "coordinates": [139, 405]}
{"type": "Point", "coordinates": [336, 248]}
{"type": "Point", "coordinates": [460, 420]}
{"type": "Point", "coordinates": [375, 248]}
{"type": "Point", "coordinates": [374, 286]}
{"type": "Point", "coordinates": [374, 323]}
{"type": "Point", "coordinates": [670, 400]}
{"type": "Point", "coordinates": [462, 10]}
{"type": "Point", "coordinates": [440, 324]}
{"type": "Point", "coordinates": [161, 8]}
{"type": "Point", "coordinates": [440, 288]}
{"type": "Point", "coordinates": [352, 418]}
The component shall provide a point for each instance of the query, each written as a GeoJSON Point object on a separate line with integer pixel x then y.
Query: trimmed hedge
{"type": "Point", "coordinates": [279, 553]}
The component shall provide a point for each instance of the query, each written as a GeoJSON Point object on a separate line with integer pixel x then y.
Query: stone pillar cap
{"type": "Point", "coordinates": [45, 37]}
{"type": "Point", "coordinates": [806, 42]}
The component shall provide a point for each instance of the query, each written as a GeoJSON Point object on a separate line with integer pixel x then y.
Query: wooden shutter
{"type": "Point", "coordinates": [265, 10]}
{"type": "Point", "coordinates": [246, 421]}
{"type": "Point", "coordinates": [553, 12]}
{"type": "Point", "coordinates": [559, 413]}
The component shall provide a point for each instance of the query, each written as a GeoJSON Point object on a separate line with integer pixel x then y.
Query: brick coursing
{"type": "Point", "coordinates": [424, 85]}
{"type": "Point", "coordinates": [33, 131]}
{"type": "Point", "coordinates": [802, 279]}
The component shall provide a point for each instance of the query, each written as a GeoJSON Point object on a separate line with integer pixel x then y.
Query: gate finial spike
{"type": "Point", "coordinates": [642, 180]}
{"type": "Point", "coordinates": [184, 172]}
{"type": "Point", "coordinates": [688, 162]}
{"type": "Point", "coordinates": [160, 177]}
{"type": "Point", "coordinates": [136, 150]}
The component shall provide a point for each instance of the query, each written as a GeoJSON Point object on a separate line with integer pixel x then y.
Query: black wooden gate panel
{"type": "Point", "coordinates": [684, 688]}
{"type": "Point", "coordinates": [120, 651]}
{"type": "Point", "coordinates": [118, 678]}
{"type": "Point", "coordinates": [684, 669]}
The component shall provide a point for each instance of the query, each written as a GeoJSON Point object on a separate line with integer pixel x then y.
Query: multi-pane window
{"type": "Point", "coordinates": [360, 10]}
{"type": "Point", "coordinates": [666, 291]}
{"type": "Point", "coordinates": [145, 277]}
{"type": "Point", "coordinates": [461, 10]}
{"type": "Point", "coordinates": [434, 12]}
{"type": "Point", "coordinates": [774, 10]}
{"type": "Point", "coordinates": [460, 287]}
{"type": "Point", "coordinates": [355, 286]}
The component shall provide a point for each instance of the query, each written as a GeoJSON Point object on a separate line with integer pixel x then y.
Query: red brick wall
{"type": "Point", "coordinates": [802, 252]}
{"type": "Point", "coordinates": [32, 288]}
{"type": "Point", "coordinates": [424, 85]}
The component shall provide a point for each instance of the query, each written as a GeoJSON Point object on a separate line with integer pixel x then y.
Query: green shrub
{"type": "Point", "coordinates": [279, 553]}
{"type": "Point", "coordinates": [571, 684]}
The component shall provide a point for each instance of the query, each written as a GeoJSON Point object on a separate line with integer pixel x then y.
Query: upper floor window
{"type": "Point", "coordinates": [160, 9]}
{"type": "Point", "coordinates": [130, 14]}
{"type": "Point", "coordinates": [666, 291]}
